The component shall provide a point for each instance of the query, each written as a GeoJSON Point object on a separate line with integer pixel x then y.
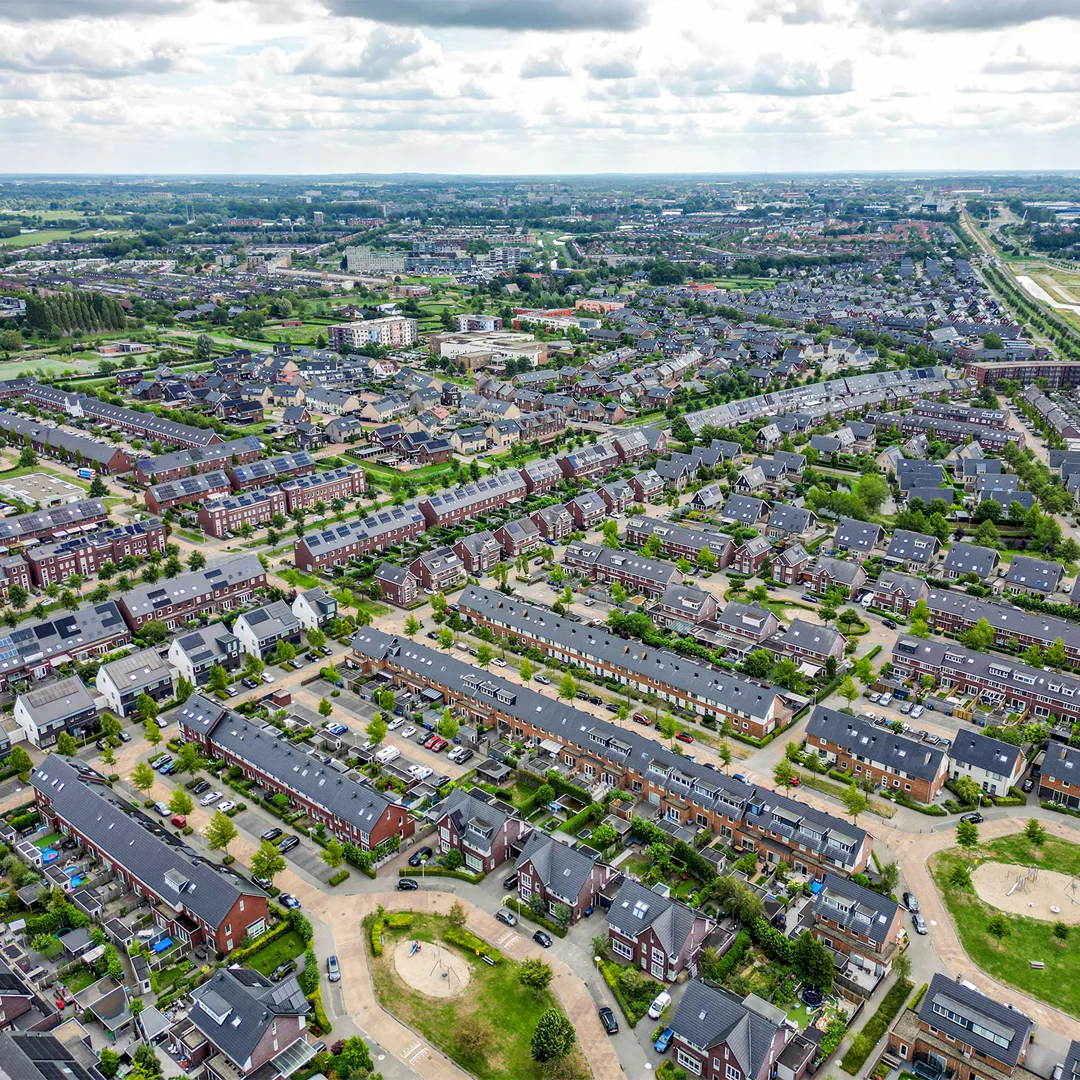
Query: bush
{"type": "Point", "coordinates": [375, 932]}
{"type": "Point", "coordinates": [399, 920]}
{"type": "Point", "coordinates": [872, 1031]}
{"type": "Point", "coordinates": [527, 913]}
{"type": "Point", "coordinates": [732, 958]}
{"type": "Point", "coordinates": [339, 877]}
{"type": "Point", "coordinates": [459, 936]}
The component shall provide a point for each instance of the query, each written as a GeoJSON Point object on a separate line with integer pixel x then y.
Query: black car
{"type": "Point", "coordinates": [288, 844]}
{"type": "Point", "coordinates": [910, 902]}
{"type": "Point", "coordinates": [611, 708]}
{"type": "Point", "coordinates": [263, 883]}
{"type": "Point", "coordinates": [542, 939]}
{"type": "Point", "coordinates": [125, 736]}
{"type": "Point", "coordinates": [607, 1018]}
{"type": "Point", "coordinates": [102, 743]}
{"type": "Point", "coordinates": [201, 787]}
{"type": "Point", "coordinates": [511, 882]}
{"type": "Point", "coordinates": [1027, 785]}
{"type": "Point", "coordinates": [279, 973]}
{"type": "Point", "coordinates": [407, 884]}
{"type": "Point", "coordinates": [596, 699]}
{"type": "Point", "coordinates": [432, 636]}
{"type": "Point", "coordinates": [271, 834]}
{"type": "Point", "coordinates": [889, 624]}
{"type": "Point", "coordinates": [976, 818]}
{"type": "Point", "coordinates": [325, 650]}
{"type": "Point", "coordinates": [249, 682]}
{"type": "Point", "coordinates": [311, 655]}
{"type": "Point", "coordinates": [417, 857]}
{"type": "Point", "coordinates": [582, 696]}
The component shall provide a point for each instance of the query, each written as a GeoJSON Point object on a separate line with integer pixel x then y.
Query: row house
{"type": "Point", "coordinates": [618, 496]}
{"type": "Point", "coordinates": [554, 523]}
{"type": "Point", "coordinates": [354, 813]}
{"type": "Point", "coordinates": [863, 929]}
{"type": "Point", "coordinates": [271, 470]}
{"type": "Point", "coordinates": [748, 621]}
{"type": "Point", "coordinates": [656, 934]}
{"type": "Point", "coordinates": [148, 426]}
{"type": "Point", "coordinates": [481, 551]}
{"type": "Point", "coordinates": [994, 766]}
{"type": "Point", "coordinates": [335, 546]}
{"type": "Point", "coordinates": [647, 486]}
{"type": "Point", "coordinates": [632, 572]}
{"type": "Point", "coordinates": [195, 653]}
{"type": "Point", "coordinates": [63, 445]}
{"type": "Point", "coordinates": [561, 874]}
{"type": "Point", "coordinates": [48, 564]}
{"type": "Point", "coordinates": [790, 564]}
{"type": "Point", "coordinates": [261, 629]}
{"type": "Point", "coordinates": [681, 541]}
{"type": "Point", "coordinates": [753, 708]}
{"type": "Point", "coordinates": [188, 900]}
{"type": "Point", "coordinates": [303, 492]}
{"type": "Point", "coordinates": [810, 641]}
{"type": "Point", "coordinates": [957, 1032]}
{"type": "Point", "coordinates": [438, 570]}
{"type": "Point", "coordinates": [473, 500]}
{"type": "Point", "coordinates": [225, 517]}
{"type": "Point", "coordinates": [995, 681]}
{"type": "Point", "coordinates": [177, 600]}
{"type": "Point", "coordinates": [913, 551]}
{"type": "Point", "coordinates": [825, 572]}
{"type": "Point", "coordinates": [750, 556]}
{"type": "Point", "coordinates": [518, 537]}
{"type": "Point", "coordinates": [14, 570]}
{"type": "Point", "coordinates": [859, 749]}
{"type": "Point", "coordinates": [543, 426]}
{"type": "Point", "coordinates": [1059, 781]}
{"type": "Point", "coordinates": [122, 682]}
{"type": "Point", "coordinates": [34, 650]}
{"type": "Point", "coordinates": [588, 461]}
{"type": "Point", "coordinates": [486, 830]}
{"type": "Point", "coordinates": [180, 463]}
{"type": "Point", "coordinates": [668, 786]}
{"type": "Point", "coordinates": [53, 524]}
{"type": "Point", "coordinates": [588, 510]}
{"type": "Point", "coordinates": [630, 446]}
{"type": "Point", "coordinates": [967, 414]}
{"type": "Point", "coordinates": [682, 607]}
{"type": "Point", "coordinates": [187, 490]}
{"type": "Point", "coordinates": [898, 592]}
{"type": "Point", "coordinates": [541, 475]}
{"type": "Point", "coordinates": [399, 585]}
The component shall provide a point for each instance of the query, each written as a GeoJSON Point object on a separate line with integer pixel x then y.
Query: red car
{"type": "Point", "coordinates": [438, 744]}
{"type": "Point", "coordinates": [429, 742]}
{"type": "Point", "coordinates": [683, 737]}
{"type": "Point", "coordinates": [795, 781]}
{"type": "Point", "coordinates": [641, 718]}
{"type": "Point", "coordinates": [179, 821]}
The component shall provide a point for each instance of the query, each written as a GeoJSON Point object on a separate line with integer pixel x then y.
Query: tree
{"type": "Point", "coordinates": [412, 627]}
{"type": "Point", "coordinates": [603, 836]}
{"type": "Point", "coordinates": [19, 760]}
{"type": "Point", "coordinates": [484, 655]}
{"type": "Point", "coordinates": [553, 1038]}
{"type": "Point", "coordinates": [864, 670]}
{"type": "Point", "coordinates": [151, 732]}
{"type": "Point", "coordinates": [18, 596]}
{"type": "Point", "coordinates": [783, 774]}
{"type": "Point", "coordinates": [1035, 833]}
{"type": "Point", "coordinates": [218, 679]}
{"type": "Point", "coordinates": [969, 791]}
{"type": "Point", "coordinates": [855, 802]}
{"type": "Point", "coordinates": [535, 975]}
{"type": "Point", "coordinates": [108, 1063]}
{"type": "Point", "coordinates": [196, 561]}
{"type": "Point", "coordinates": [980, 637]}
{"type": "Point", "coordinates": [180, 802]}
{"type": "Point", "coordinates": [967, 834]}
{"type": "Point", "coordinates": [98, 490]}
{"type": "Point", "coordinates": [723, 751]}
{"type": "Point", "coordinates": [902, 967]}
{"type": "Point", "coordinates": [333, 854]}
{"type": "Point", "coordinates": [668, 727]}
{"type": "Point", "coordinates": [145, 1058]}
{"type": "Point", "coordinates": [872, 491]}
{"type": "Point", "coordinates": [354, 1057]}
{"type": "Point", "coordinates": [204, 347]}
{"type": "Point", "coordinates": [184, 689]}
{"type": "Point", "coordinates": [285, 651]}
{"type": "Point", "coordinates": [457, 914]}
{"type": "Point", "coordinates": [448, 725]}
{"type": "Point", "coordinates": [267, 862]}
{"type": "Point", "coordinates": [27, 458]}
{"type": "Point", "coordinates": [221, 832]}
{"type": "Point", "coordinates": [446, 638]}
{"type": "Point", "coordinates": [188, 758]}
{"type": "Point", "coordinates": [376, 729]}
{"type": "Point", "coordinates": [1061, 931]}
{"type": "Point", "coordinates": [568, 687]}
{"type": "Point", "coordinates": [998, 925]}
{"type": "Point", "coordinates": [66, 745]}
{"type": "Point", "coordinates": [525, 670]}
{"type": "Point", "coordinates": [848, 689]}
{"type": "Point", "coordinates": [610, 533]}
{"type": "Point", "coordinates": [325, 708]}
{"type": "Point", "coordinates": [813, 961]}
{"type": "Point", "coordinates": [142, 777]}
{"type": "Point", "coordinates": [890, 877]}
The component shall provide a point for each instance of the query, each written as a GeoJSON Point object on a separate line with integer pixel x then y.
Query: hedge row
{"type": "Point", "coordinates": [611, 977]}
{"type": "Point", "coordinates": [442, 871]}
{"type": "Point", "coordinates": [732, 958]}
{"type": "Point", "coordinates": [526, 912]}
{"type": "Point", "coordinates": [863, 1044]}
{"type": "Point", "coordinates": [339, 877]}
{"type": "Point", "coordinates": [263, 939]}
{"type": "Point", "coordinates": [322, 1022]}
{"type": "Point", "coordinates": [463, 939]}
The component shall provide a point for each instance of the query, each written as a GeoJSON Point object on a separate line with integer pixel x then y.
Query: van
{"type": "Point", "coordinates": [387, 754]}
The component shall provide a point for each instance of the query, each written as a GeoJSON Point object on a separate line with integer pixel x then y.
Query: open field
{"type": "Point", "coordinates": [12, 369]}
{"type": "Point", "coordinates": [1027, 938]}
{"type": "Point", "coordinates": [47, 236]}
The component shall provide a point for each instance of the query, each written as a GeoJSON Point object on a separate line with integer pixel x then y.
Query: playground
{"type": "Point", "coordinates": [435, 970]}
{"type": "Point", "coordinates": [1031, 891]}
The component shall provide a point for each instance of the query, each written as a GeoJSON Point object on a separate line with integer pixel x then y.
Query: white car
{"type": "Point", "coordinates": [660, 1003]}
{"type": "Point", "coordinates": [267, 677]}
{"type": "Point", "coordinates": [210, 798]}
{"type": "Point", "coordinates": [917, 711]}
{"type": "Point", "coordinates": [395, 724]}
{"type": "Point", "coordinates": [885, 699]}
{"type": "Point", "coordinates": [408, 733]}
{"type": "Point", "coordinates": [498, 661]}
{"type": "Point", "coordinates": [162, 809]}
{"type": "Point", "coordinates": [419, 772]}
{"type": "Point", "coordinates": [228, 804]}
{"type": "Point", "coordinates": [875, 698]}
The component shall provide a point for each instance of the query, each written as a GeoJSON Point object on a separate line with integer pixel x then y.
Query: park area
{"type": "Point", "coordinates": [1015, 901]}
{"type": "Point", "coordinates": [433, 977]}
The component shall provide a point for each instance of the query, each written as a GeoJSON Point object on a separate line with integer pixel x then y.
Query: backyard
{"type": "Point", "coordinates": [1006, 955]}
{"type": "Point", "coordinates": [287, 947]}
{"type": "Point", "coordinates": [493, 1000]}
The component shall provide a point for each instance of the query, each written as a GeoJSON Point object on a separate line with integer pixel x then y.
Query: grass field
{"type": "Point", "coordinates": [494, 996]}
{"type": "Point", "coordinates": [298, 579]}
{"type": "Point", "coordinates": [11, 369]}
{"type": "Point", "coordinates": [287, 947]}
{"type": "Point", "coordinates": [1028, 939]}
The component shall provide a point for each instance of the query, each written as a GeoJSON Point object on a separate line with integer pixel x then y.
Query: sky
{"type": "Point", "coordinates": [537, 86]}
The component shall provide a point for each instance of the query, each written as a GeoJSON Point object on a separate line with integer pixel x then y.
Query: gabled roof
{"type": "Point", "coordinates": [971, 559]}
{"type": "Point", "coordinates": [981, 752]}
{"type": "Point", "coordinates": [975, 1020]}
{"type": "Point", "coordinates": [858, 910]}
{"type": "Point", "coordinates": [877, 745]}
{"type": "Point", "coordinates": [561, 868]}
{"type": "Point", "coordinates": [709, 1017]}
{"type": "Point", "coordinates": [636, 908]}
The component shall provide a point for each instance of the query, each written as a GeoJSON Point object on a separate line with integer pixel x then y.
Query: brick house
{"type": "Point", "coordinates": [647, 486]}
{"type": "Point", "coordinates": [588, 510]}
{"type": "Point", "coordinates": [478, 552]}
{"type": "Point", "coordinates": [1059, 781]}
{"type": "Point", "coordinates": [858, 924]}
{"type": "Point", "coordinates": [750, 556]}
{"type": "Point", "coordinates": [400, 586]}
{"type": "Point", "coordinates": [825, 572]}
{"type": "Point", "coordinates": [898, 592]}
{"type": "Point", "coordinates": [438, 570]}
{"type": "Point", "coordinates": [788, 566]}
{"type": "Point", "coordinates": [554, 523]}
{"type": "Point", "coordinates": [518, 537]}
{"type": "Point", "coordinates": [561, 874]}
{"type": "Point", "coordinates": [484, 829]}
{"type": "Point", "coordinates": [220, 517]}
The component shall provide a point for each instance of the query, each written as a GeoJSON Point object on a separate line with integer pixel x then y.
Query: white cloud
{"type": "Point", "coordinates": [548, 66]}
{"type": "Point", "coordinates": [940, 15]}
{"type": "Point", "coordinates": [500, 14]}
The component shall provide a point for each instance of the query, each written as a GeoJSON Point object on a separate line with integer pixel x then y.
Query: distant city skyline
{"type": "Point", "coordinates": [537, 87]}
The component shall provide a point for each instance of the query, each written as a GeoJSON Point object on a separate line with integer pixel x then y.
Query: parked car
{"type": "Point", "coordinates": [464, 756]}
{"type": "Point", "coordinates": [497, 661]}
{"type": "Point", "coordinates": [333, 969]}
{"type": "Point", "coordinates": [264, 883]}
{"type": "Point", "coordinates": [611, 707]}
{"type": "Point", "coordinates": [338, 729]}
{"type": "Point", "coordinates": [409, 732]}
{"type": "Point", "coordinates": [271, 834]}
{"type": "Point", "coordinates": [641, 718]}
{"type": "Point", "coordinates": [875, 698]}
{"type": "Point", "coordinates": [542, 939]}
{"type": "Point", "coordinates": [249, 682]}
{"type": "Point", "coordinates": [432, 636]}
{"type": "Point", "coordinates": [232, 691]}
{"type": "Point", "coordinates": [906, 707]}
{"type": "Point", "coordinates": [889, 624]}
{"type": "Point", "coordinates": [917, 711]}
{"type": "Point", "coordinates": [683, 736]}
{"type": "Point", "coordinates": [394, 724]}
{"type": "Point", "coordinates": [288, 844]}
{"type": "Point", "coordinates": [283, 969]}
{"type": "Point", "coordinates": [910, 902]}
{"type": "Point", "coordinates": [420, 856]}
{"type": "Point", "coordinates": [168, 768]}
{"type": "Point", "coordinates": [125, 736]}
{"type": "Point", "coordinates": [288, 900]}
{"type": "Point", "coordinates": [607, 1018]}
{"type": "Point", "coordinates": [543, 679]}
{"type": "Point", "coordinates": [975, 818]}
{"type": "Point", "coordinates": [407, 884]}
{"type": "Point", "coordinates": [919, 923]}
{"type": "Point", "coordinates": [808, 598]}
{"type": "Point", "coordinates": [179, 821]}
{"type": "Point", "coordinates": [102, 743]}
{"type": "Point", "coordinates": [200, 787]}
{"type": "Point", "coordinates": [267, 677]}
{"type": "Point", "coordinates": [505, 915]}
{"type": "Point", "coordinates": [162, 809]}
{"type": "Point", "coordinates": [659, 1004]}
{"type": "Point", "coordinates": [663, 1041]}
{"type": "Point", "coordinates": [739, 776]}
{"type": "Point", "coordinates": [226, 806]}
{"type": "Point", "coordinates": [160, 763]}
{"type": "Point", "coordinates": [511, 882]}
{"type": "Point", "coordinates": [885, 699]}
{"type": "Point", "coordinates": [210, 799]}
{"type": "Point", "coordinates": [1028, 784]}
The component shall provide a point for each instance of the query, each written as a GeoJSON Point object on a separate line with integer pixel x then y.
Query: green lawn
{"type": "Point", "coordinates": [287, 947]}
{"type": "Point", "coordinates": [494, 995]}
{"type": "Point", "coordinates": [48, 841]}
{"type": "Point", "coordinates": [298, 579]}
{"type": "Point", "coordinates": [1028, 939]}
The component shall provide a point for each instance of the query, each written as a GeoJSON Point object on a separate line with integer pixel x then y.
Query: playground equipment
{"type": "Point", "coordinates": [1070, 889]}
{"type": "Point", "coordinates": [415, 948]}
{"type": "Point", "coordinates": [1023, 879]}
{"type": "Point", "coordinates": [444, 969]}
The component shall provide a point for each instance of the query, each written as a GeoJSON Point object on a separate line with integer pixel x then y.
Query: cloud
{"type": "Point", "coordinates": [611, 15]}
{"type": "Point", "coordinates": [945, 15]}
{"type": "Point", "coordinates": [1021, 62]}
{"type": "Point", "coordinates": [118, 51]}
{"type": "Point", "coordinates": [775, 76]}
{"type": "Point", "coordinates": [544, 67]}
{"type": "Point", "coordinates": [792, 12]}
{"type": "Point", "coordinates": [381, 54]}
{"type": "Point", "coordinates": [51, 10]}
{"type": "Point", "coordinates": [613, 67]}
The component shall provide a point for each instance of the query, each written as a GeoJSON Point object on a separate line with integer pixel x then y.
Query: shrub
{"type": "Point", "coordinates": [399, 920]}
{"type": "Point", "coordinates": [377, 927]}
{"type": "Point", "coordinates": [339, 877]}
{"type": "Point", "coordinates": [863, 1044]}
{"type": "Point", "coordinates": [461, 937]}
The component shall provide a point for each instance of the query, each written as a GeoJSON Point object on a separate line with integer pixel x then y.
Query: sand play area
{"type": "Point", "coordinates": [1045, 895]}
{"type": "Point", "coordinates": [434, 969]}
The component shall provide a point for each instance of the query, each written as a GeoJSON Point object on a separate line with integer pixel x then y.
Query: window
{"type": "Point", "coordinates": [688, 1062]}
{"type": "Point", "coordinates": [732, 1073]}
{"type": "Point", "coordinates": [620, 948]}
{"type": "Point", "coordinates": [228, 928]}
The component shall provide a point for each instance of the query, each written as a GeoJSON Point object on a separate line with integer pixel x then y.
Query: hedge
{"type": "Point", "coordinates": [322, 1022]}
{"type": "Point", "coordinates": [591, 813]}
{"type": "Point", "coordinates": [919, 996]}
{"type": "Point", "coordinates": [256, 944]}
{"type": "Point", "coordinates": [442, 871]}
{"type": "Point", "coordinates": [339, 877]}
{"type": "Point", "coordinates": [732, 958]}
{"type": "Point", "coordinates": [526, 912]}
{"type": "Point", "coordinates": [375, 933]}
{"type": "Point", "coordinates": [863, 1044]}
{"type": "Point", "coordinates": [463, 939]}
{"type": "Point", "coordinates": [611, 977]}
{"type": "Point", "coordinates": [399, 920]}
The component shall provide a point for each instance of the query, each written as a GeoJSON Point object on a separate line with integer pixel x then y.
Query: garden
{"type": "Point", "coordinates": [489, 1014]}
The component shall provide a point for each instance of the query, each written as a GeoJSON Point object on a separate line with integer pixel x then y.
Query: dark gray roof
{"type": "Point", "coordinates": [477, 815]}
{"type": "Point", "coordinates": [636, 908]}
{"type": "Point", "coordinates": [38, 1056]}
{"type": "Point", "coordinates": [385, 520]}
{"type": "Point", "coordinates": [975, 1020]}
{"type": "Point", "coordinates": [1038, 574]}
{"type": "Point", "coordinates": [709, 1017]}
{"type": "Point", "coordinates": [272, 619]}
{"type": "Point", "coordinates": [982, 752]}
{"type": "Point", "coordinates": [857, 535]}
{"type": "Point", "coordinates": [163, 868]}
{"type": "Point", "coordinates": [743, 508]}
{"type": "Point", "coordinates": [890, 581]}
{"type": "Point", "coordinates": [70, 631]}
{"type": "Point", "coordinates": [182, 459]}
{"type": "Point", "coordinates": [794, 519]}
{"type": "Point", "coordinates": [150, 599]}
{"type": "Point", "coordinates": [57, 701]}
{"type": "Point", "coordinates": [235, 1006]}
{"type": "Point", "coordinates": [971, 559]}
{"type": "Point", "coordinates": [47, 521]}
{"type": "Point", "coordinates": [190, 488]}
{"type": "Point", "coordinates": [912, 547]}
{"type": "Point", "coordinates": [562, 869]}
{"type": "Point", "coordinates": [856, 909]}
{"type": "Point", "coordinates": [877, 745]}
{"type": "Point", "coordinates": [1062, 763]}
